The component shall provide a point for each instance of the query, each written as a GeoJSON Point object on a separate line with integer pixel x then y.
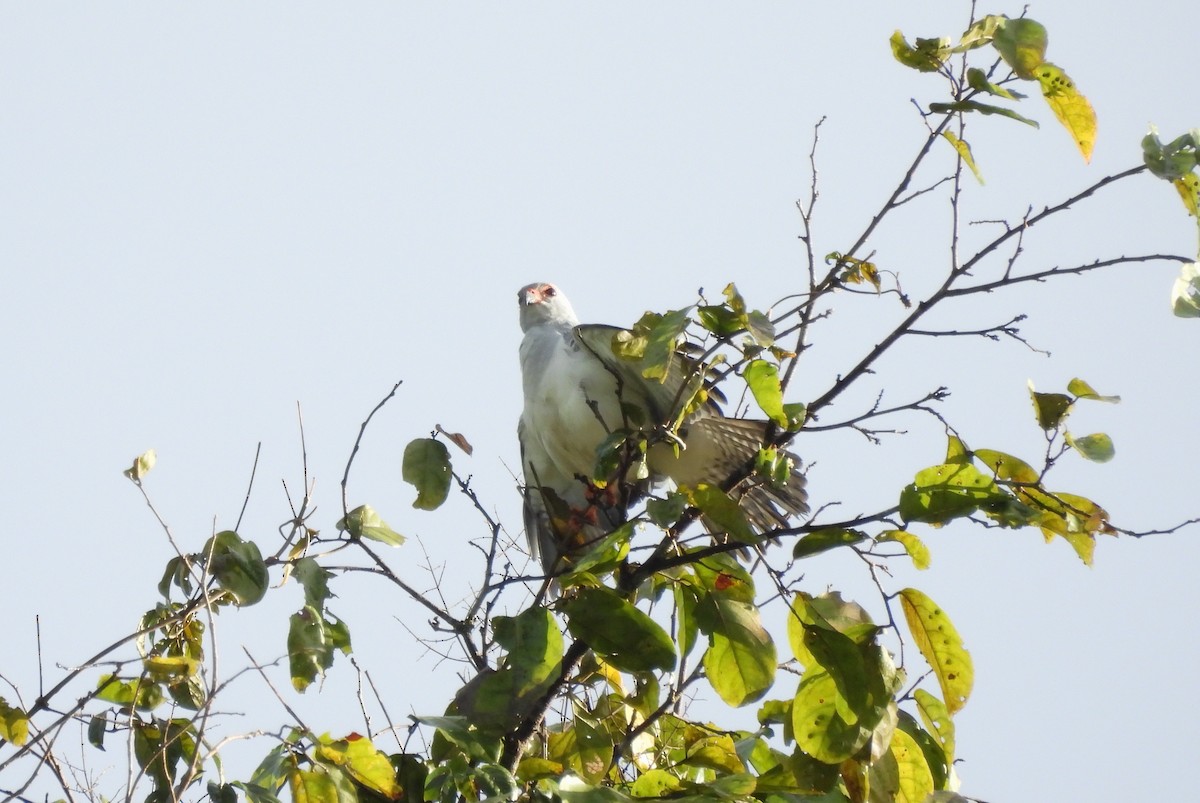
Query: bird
{"type": "Point", "coordinates": [577, 392]}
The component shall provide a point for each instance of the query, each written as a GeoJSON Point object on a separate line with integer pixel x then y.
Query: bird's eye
{"type": "Point", "coordinates": [549, 291]}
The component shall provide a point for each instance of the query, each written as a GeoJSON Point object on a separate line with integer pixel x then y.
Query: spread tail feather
{"type": "Point", "coordinates": [767, 506]}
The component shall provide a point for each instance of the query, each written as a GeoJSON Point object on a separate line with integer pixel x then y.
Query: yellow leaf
{"type": "Point", "coordinates": [142, 465]}
{"type": "Point", "coordinates": [1071, 108]}
{"type": "Point", "coordinates": [14, 724]}
{"type": "Point", "coordinates": [964, 153]}
{"type": "Point", "coordinates": [913, 545]}
{"type": "Point", "coordinates": [1188, 187]}
{"type": "Point", "coordinates": [941, 645]}
{"type": "Point", "coordinates": [913, 777]}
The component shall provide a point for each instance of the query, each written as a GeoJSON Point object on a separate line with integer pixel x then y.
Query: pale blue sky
{"type": "Point", "coordinates": [209, 213]}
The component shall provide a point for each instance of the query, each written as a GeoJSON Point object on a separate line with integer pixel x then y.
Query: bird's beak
{"type": "Point", "coordinates": [531, 295]}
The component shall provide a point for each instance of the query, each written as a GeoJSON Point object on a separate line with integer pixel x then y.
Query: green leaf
{"type": "Point", "coordinates": [927, 56]}
{"type": "Point", "coordinates": [618, 447]}
{"type": "Point", "coordinates": [269, 776]}
{"type": "Point", "coordinates": [169, 668]}
{"type": "Point", "coordinates": [941, 645]}
{"type": "Point", "coordinates": [913, 545]}
{"type": "Point", "coordinates": [1075, 518]}
{"type": "Point", "coordinates": [720, 320]}
{"type": "Point", "coordinates": [665, 512]}
{"type": "Point", "coordinates": [938, 720]}
{"type": "Point", "coordinates": [740, 660]}
{"type": "Point", "coordinates": [314, 579]}
{"type": "Point", "coordinates": [222, 792]}
{"type": "Point", "coordinates": [142, 465]}
{"type": "Point", "coordinates": [312, 640]}
{"type": "Point", "coordinates": [716, 752]}
{"type": "Point", "coordinates": [142, 694]}
{"type": "Point", "coordinates": [982, 108]}
{"type": "Point", "coordinates": [97, 727]}
{"type": "Point", "coordinates": [159, 746]}
{"type": "Point", "coordinates": [775, 465]}
{"type": "Point", "coordinates": [458, 731]}
{"type": "Point", "coordinates": [839, 656]}
{"type": "Point", "coordinates": [535, 649]}
{"type": "Point", "coordinates": [1069, 105]}
{"type": "Point", "coordinates": [830, 612]}
{"type": "Point", "coordinates": [238, 567]}
{"type": "Point", "coordinates": [762, 378]}
{"type": "Point", "coordinates": [949, 491]}
{"type": "Point", "coordinates": [356, 756]}
{"type": "Point", "coordinates": [964, 152]}
{"type": "Point", "coordinates": [1022, 45]}
{"type": "Point", "coordinates": [760, 328]}
{"type": "Point", "coordinates": [1174, 161]}
{"type": "Point", "coordinates": [820, 731]}
{"type": "Point", "coordinates": [574, 790]}
{"type": "Point", "coordinates": [602, 555]}
{"type": "Point", "coordinates": [654, 341]}
{"type": "Point", "coordinates": [957, 451]}
{"type": "Point", "coordinates": [323, 785]}
{"type": "Point", "coordinates": [1185, 294]}
{"type": "Point", "coordinates": [980, 34]}
{"type": "Point", "coordinates": [931, 748]}
{"type": "Point", "coordinates": [533, 768]}
{"type": "Point", "coordinates": [1007, 467]}
{"type": "Point", "coordinates": [722, 574]}
{"type": "Point", "coordinates": [823, 540]}
{"type": "Point", "coordinates": [623, 635]}
{"type": "Point", "coordinates": [663, 347]}
{"type": "Point", "coordinates": [1083, 390]}
{"type": "Point", "coordinates": [656, 783]}
{"type": "Point", "coordinates": [977, 80]}
{"type": "Point", "coordinates": [903, 775]}
{"type": "Point", "coordinates": [1051, 409]}
{"type": "Point", "coordinates": [1096, 447]}
{"type": "Point", "coordinates": [426, 467]}
{"type": "Point", "coordinates": [795, 412]}
{"type": "Point", "coordinates": [364, 522]}
{"type": "Point", "coordinates": [686, 600]}
{"type": "Point", "coordinates": [178, 573]}
{"type": "Point", "coordinates": [258, 794]}
{"type": "Point", "coordinates": [14, 723]}
{"type": "Point", "coordinates": [719, 508]}
{"type": "Point", "coordinates": [735, 786]}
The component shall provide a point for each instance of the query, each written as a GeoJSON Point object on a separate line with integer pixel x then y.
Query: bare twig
{"type": "Point", "coordinates": [358, 442]}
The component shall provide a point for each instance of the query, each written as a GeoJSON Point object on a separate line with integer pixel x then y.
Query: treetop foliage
{"type": "Point", "coordinates": [576, 687]}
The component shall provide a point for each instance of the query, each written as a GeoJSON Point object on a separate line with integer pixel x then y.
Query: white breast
{"type": "Point", "coordinates": [568, 393]}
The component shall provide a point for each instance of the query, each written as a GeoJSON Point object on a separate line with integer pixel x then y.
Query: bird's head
{"type": "Point", "coordinates": [542, 302]}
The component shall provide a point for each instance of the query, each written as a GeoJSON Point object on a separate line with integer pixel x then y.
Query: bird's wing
{"type": "Point", "coordinates": [716, 446]}
{"type": "Point", "coordinates": [659, 399]}
{"type": "Point", "coordinates": [537, 519]}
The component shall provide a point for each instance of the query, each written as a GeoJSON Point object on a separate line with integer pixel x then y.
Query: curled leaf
{"type": "Point", "coordinates": [927, 55]}
{"type": "Point", "coordinates": [458, 439]}
{"type": "Point", "coordinates": [964, 152]}
{"type": "Point", "coordinates": [1097, 447]}
{"type": "Point", "coordinates": [1051, 409]}
{"type": "Point", "coordinates": [1083, 390]}
{"type": "Point", "coordinates": [1185, 294]}
{"type": "Point", "coordinates": [364, 522]}
{"type": "Point", "coordinates": [142, 465]}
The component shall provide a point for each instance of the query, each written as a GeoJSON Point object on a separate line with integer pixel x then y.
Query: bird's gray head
{"type": "Point", "coordinates": [542, 302]}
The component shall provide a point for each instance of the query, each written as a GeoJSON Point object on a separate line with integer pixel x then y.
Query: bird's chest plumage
{"type": "Point", "coordinates": [570, 404]}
